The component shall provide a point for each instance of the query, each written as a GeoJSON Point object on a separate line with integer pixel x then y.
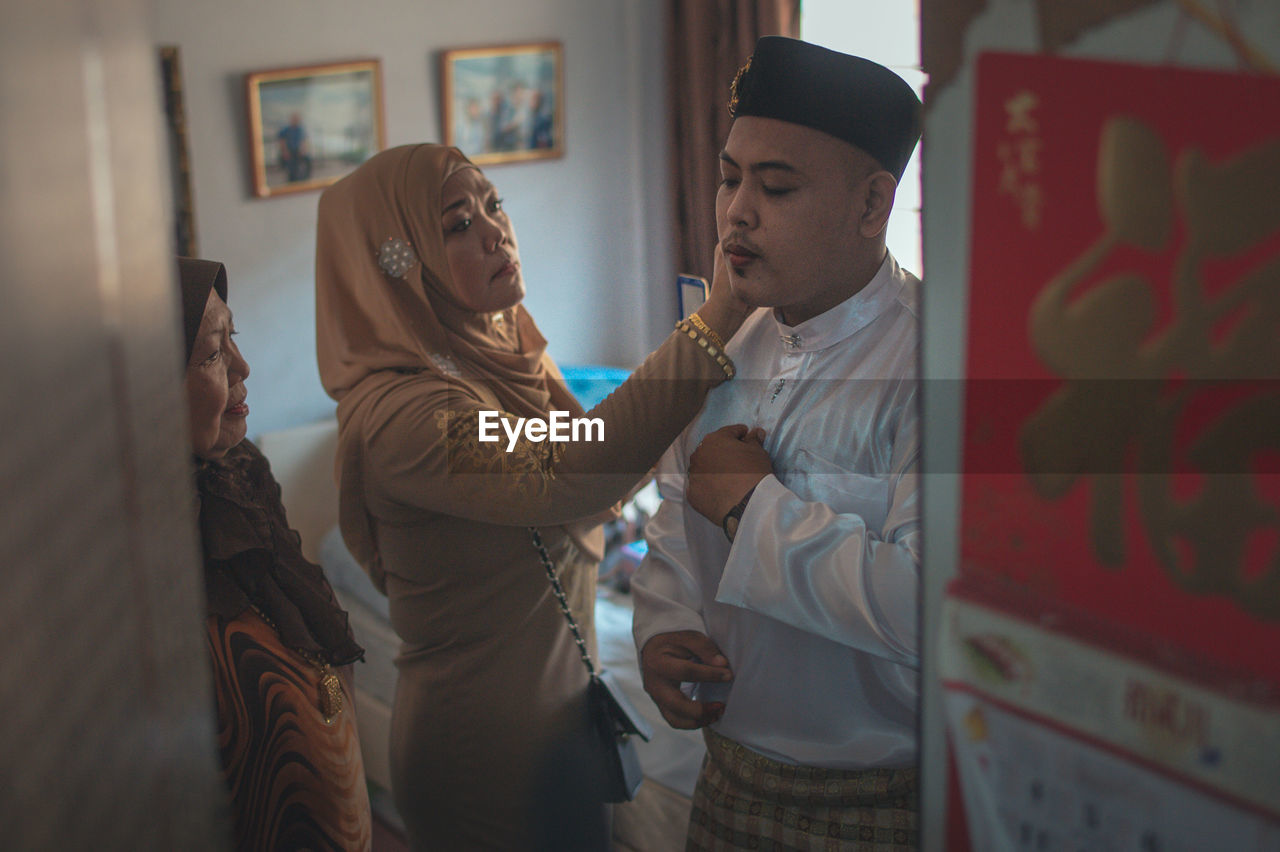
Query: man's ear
{"type": "Point", "coordinates": [881, 187]}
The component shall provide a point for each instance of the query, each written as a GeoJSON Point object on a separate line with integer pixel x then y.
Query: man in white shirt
{"type": "Point", "coordinates": [783, 566]}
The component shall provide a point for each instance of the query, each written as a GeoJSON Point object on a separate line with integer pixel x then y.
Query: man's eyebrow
{"type": "Point", "coordinates": [763, 165]}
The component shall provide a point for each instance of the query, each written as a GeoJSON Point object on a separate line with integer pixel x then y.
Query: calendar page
{"type": "Point", "coordinates": [1062, 744]}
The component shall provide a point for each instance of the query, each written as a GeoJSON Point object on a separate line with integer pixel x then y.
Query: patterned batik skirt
{"type": "Point", "coordinates": [295, 775]}
{"type": "Point", "coordinates": [744, 800]}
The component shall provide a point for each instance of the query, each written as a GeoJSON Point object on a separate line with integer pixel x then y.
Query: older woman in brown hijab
{"type": "Point", "coordinates": [280, 644]}
{"type": "Point", "coordinates": [421, 332]}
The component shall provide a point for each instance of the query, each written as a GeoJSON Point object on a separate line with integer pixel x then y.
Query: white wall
{"type": "Point", "coordinates": [593, 225]}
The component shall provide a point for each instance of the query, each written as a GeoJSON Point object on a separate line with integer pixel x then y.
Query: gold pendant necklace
{"type": "Point", "coordinates": [330, 685]}
{"type": "Point", "coordinates": [330, 693]}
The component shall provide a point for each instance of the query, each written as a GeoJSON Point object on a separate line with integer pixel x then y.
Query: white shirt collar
{"type": "Point", "coordinates": [853, 314]}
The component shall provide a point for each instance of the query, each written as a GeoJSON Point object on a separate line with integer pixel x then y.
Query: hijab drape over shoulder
{"type": "Point", "coordinates": [385, 301]}
{"type": "Point", "coordinates": [252, 559]}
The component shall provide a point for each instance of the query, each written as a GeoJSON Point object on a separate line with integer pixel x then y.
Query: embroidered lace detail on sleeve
{"type": "Point", "coordinates": [530, 465]}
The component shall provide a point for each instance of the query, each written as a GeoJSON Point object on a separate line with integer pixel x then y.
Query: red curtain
{"type": "Point", "coordinates": [707, 42]}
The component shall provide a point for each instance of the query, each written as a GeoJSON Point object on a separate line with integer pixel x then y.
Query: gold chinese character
{"type": "Point", "coordinates": [1131, 385]}
{"type": "Point", "coordinates": [1029, 154]}
{"type": "Point", "coordinates": [1018, 112]}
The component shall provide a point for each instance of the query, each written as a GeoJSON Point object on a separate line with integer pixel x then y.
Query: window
{"type": "Point", "coordinates": [888, 32]}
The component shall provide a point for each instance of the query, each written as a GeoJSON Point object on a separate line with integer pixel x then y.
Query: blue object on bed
{"type": "Point", "coordinates": [591, 383]}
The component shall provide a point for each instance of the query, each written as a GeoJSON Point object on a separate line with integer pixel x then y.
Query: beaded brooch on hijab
{"type": "Point", "coordinates": [396, 257]}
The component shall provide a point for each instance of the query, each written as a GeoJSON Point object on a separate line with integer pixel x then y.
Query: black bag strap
{"type": "Point", "coordinates": [620, 709]}
{"type": "Point", "coordinates": [564, 602]}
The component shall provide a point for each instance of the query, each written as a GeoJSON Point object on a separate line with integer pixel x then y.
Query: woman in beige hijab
{"type": "Point", "coordinates": [421, 331]}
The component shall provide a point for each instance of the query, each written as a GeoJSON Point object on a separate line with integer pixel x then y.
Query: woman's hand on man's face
{"type": "Point", "coordinates": [725, 310]}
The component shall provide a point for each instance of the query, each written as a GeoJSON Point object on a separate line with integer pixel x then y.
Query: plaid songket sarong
{"type": "Point", "coordinates": [744, 800]}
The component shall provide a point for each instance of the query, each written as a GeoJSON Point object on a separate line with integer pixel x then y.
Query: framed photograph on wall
{"type": "Point", "coordinates": [311, 125]}
{"type": "Point", "coordinates": [505, 103]}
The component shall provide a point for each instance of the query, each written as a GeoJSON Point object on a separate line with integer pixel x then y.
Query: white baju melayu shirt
{"type": "Point", "coordinates": [815, 602]}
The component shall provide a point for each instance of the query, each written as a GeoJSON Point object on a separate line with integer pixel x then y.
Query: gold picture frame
{"type": "Point", "coordinates": [310, 125]}
{"type": "Point", "coordinates": [504, 103]}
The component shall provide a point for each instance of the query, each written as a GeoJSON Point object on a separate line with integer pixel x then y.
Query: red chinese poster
{"type": "Point", "coordinates": [1121, 481]}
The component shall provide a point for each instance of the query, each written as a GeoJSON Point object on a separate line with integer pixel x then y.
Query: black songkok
{"type": "Point", "coordinates": [848, 97]}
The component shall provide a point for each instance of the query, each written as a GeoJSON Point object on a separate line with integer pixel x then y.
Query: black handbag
{"type": "Point", "coordinates": [615, 762]}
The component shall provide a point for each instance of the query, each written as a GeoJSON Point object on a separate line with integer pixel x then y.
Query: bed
{"type": "Point", "coordinates": [302, 460]}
